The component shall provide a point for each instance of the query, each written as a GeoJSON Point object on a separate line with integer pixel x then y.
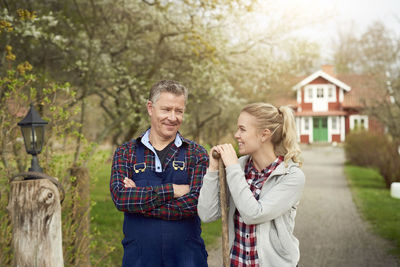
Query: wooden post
{"type": "Point", "coordinates": [223, 197]}
{"type": "Point", "coordinates": [35, 209]}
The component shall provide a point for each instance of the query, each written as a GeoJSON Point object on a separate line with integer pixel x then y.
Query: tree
{"type": "Point", "coordinates": [375, 53]}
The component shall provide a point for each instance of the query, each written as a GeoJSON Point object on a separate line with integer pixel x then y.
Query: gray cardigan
{"type": "Point", "coordinates": [273, 213]}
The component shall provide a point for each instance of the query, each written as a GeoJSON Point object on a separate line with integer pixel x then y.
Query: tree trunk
{"type": "Point", "coordinates": [81, 215]}
{"type": "Point", "coordinates": [35, 210]}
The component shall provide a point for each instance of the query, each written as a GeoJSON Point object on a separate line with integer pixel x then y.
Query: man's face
{"type": "Point", "coordinates": [166, 114]}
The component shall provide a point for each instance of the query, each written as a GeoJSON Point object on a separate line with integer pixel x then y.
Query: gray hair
{"type": "Point", "coordinates": [169, 86]}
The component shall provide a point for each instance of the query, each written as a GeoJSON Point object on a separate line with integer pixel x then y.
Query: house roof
{"type": "Point", "coordinates": [324, 75]}
{"type": "Point", "coordinates": [365, 90]}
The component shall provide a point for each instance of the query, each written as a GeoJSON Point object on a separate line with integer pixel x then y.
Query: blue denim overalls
{"type": "Point", "coordinates": [153, 242]}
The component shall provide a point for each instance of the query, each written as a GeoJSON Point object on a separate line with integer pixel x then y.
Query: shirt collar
{"type": "Point", "coordinates": [145, 139]}
{"type": "Point", "coordinates": [251, 166]}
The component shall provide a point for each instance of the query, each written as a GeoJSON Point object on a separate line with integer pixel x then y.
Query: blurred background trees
{"type": "Point", "coordinates": [112, 51]}
{"type": "Point", "coordinates": [87, 66]}
{"type": "Point", "coordinates": [376, 53]}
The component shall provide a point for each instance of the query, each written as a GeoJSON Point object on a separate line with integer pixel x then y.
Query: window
{"type": "Point", "coordinates": [330, 92]}
{"type": "Point", "coordinates": [310, 93]}
{"type": "Point", "coordinates": [306, 124]}
{"type": "Point", "coordinates": [316, 123]}
{"type": "Point", "coordinates": [355, 124]}
{"type": "Point", "coordinates": [334, 123]}
{"type": "Point", "coordinates": [358, 122]}
{"type": "Point", "coordinates": [320, 92]}
{"type": "Point", "coordinates": [324, 123]}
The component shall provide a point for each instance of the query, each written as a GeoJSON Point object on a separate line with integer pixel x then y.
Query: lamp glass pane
{"type": "Point", "coordinates": [27, 134]}
{"type": "Point", "coordinates": [38, 137]}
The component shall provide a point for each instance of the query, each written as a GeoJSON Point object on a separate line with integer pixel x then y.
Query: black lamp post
{"type": "Point", "coordinates": [32, 127]}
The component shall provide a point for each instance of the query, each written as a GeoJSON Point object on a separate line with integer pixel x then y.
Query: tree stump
{"type": "Point", "coordinates": [35, 209]}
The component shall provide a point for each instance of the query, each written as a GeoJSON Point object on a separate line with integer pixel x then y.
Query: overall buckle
{"type": "Point", "coordinates": [178, 165]}
{"type": "Point", "coordinates": [139, 167]}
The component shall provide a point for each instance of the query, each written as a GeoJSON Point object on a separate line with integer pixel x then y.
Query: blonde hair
{"type": "Point", "coordinates": [280, 121]}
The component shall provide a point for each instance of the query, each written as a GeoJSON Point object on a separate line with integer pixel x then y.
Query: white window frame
{"type": "Point", "coordinates": [304, 121]}
{"type": "Point", "coordinates": [334, 123]}
{"type": "Point", "coordinates": [306, 124]}
{"type": "Point", "coordinates": [336, 130]}
{"type": "Point", "coordinates": [307, 97]}
{"type": "Point", "coordinates": [315, 88]}
{"type": "Point", "coordinates": [331, 98]}
{"type": "Point", "coordinates": [358, 118]}
{"type": "Point", "coordinates": [320, 89]}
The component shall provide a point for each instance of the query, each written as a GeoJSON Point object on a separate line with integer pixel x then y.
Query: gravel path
{"type": "Point", "coordinates": [328, 225]}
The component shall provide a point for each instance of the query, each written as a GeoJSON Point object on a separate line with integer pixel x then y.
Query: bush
{"type": "Point", "coordinates": [377, 151]}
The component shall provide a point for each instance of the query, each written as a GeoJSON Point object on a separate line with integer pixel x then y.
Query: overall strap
{"type": "Point", "coordinates": [179, 163]}
{"type": "Point", "coordinates": [140, 165]}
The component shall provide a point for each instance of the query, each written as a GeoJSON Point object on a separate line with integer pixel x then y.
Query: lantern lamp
{"type": "Point", "coordinates": [32, 127]}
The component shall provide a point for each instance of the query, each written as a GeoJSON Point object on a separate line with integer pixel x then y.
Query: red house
{"type": "Point", "coordinates": [329, 106]}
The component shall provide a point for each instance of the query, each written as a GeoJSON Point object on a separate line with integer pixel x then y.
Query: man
{"type": "Point", "coordinates": [155, 181]}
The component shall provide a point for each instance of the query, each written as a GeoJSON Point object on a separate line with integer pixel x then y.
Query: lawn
{"type": "Point", "coordinates": [107, 222]}
{"type": "Point", "coordinates": [375, 203]}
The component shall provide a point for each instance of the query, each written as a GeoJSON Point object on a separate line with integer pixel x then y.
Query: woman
{"type": "Point", "coordinates": [265, 187]}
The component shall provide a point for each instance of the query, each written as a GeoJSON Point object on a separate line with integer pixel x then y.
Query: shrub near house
{"type": "Point", "coordinates": [377, 151]}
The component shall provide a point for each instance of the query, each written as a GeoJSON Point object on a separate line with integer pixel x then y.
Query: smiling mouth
{"type": "Point", "coordinates": [170, 125]}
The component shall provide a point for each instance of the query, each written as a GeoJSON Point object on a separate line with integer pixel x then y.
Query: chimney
{"type": "Point", "coordinates": [328, 69]}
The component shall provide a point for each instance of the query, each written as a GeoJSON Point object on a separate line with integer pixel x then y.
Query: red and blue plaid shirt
{"type": "Point", "coordinates": [244, 250]}
{"type": "Point", "coordinates": [157, 201]}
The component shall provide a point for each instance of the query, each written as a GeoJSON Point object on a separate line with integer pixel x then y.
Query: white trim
{"type": "Point", "coordinates": [329, 129]}
{"type": "Point", "coordinates": [341, 95]}
{"type": "Point", "coordinates": [324, 75]}
{"type": "Point", "coordinates": [342, 129]}
{"type": "Point", "coordinates": [311, 132]}
{"type": "Point", "coordinates": [332, 131]}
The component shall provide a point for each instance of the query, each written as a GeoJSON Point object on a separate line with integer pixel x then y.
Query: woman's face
{"type": "Point", "coordinates": [247, 134]}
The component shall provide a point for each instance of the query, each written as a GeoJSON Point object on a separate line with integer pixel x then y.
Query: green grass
{"type": "Point", "coordinates": [107, 220]}
{"type": "Point", "coordinates": [211, 232]}
{"type": "Point", "coordinates": [375, 203]}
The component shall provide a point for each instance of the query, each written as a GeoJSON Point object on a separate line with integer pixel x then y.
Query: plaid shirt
{"type": "Point", "coordinates": [157, 201]}
{"type": "Point", "coordinates": [244, 250]}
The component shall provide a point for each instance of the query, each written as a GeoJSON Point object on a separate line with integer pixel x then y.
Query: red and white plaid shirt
{"type": "Point", "coordinates": [244, 251]}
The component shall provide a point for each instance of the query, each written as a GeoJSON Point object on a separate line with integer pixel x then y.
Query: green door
{"type": "Point", "coordinates": [320, 129]}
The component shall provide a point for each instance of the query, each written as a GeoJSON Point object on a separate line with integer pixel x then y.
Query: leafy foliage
{"type": "Point", "coordinates": [19, 86]}
{"type": "Point", "coordinates": [377, 151]}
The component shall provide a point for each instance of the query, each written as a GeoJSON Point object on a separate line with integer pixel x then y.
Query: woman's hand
{"type": "Point", "coordinates": [228, 154]}
{"type": "Point", "coordinates": [213, 163]}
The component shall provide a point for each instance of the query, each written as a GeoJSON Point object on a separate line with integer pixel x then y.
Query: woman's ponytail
{"type": "Point", "coordinates": [280, 121]}
{"type": "Point", "coordinates": [288, 142]}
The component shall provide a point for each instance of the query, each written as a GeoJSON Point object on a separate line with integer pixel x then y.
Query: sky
{"type": "Point", "coordinates": [344, 15]}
